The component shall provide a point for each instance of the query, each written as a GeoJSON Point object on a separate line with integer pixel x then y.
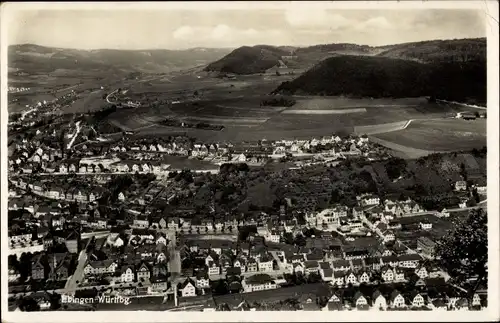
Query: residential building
{"type": "Point", "coordinates": [188, 288]}
{"type": "Point", "coordinates": [258, 282]}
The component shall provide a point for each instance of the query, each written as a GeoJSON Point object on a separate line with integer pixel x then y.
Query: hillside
{"type": "Point", "coordinates": [39, 59]}
{"type": "Point", "coordinates": [377, 77]}
{"type": "Point", "coordinates": [438, 50]}
{"type": "Point", "coordinates": [257, 59]}
{"type": "Point", "coordinates": [248, 60]}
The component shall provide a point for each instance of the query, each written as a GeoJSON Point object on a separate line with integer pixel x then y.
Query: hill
{"type": "Point", "coordinates": [248, 60]}
{"type": "Point", "coordinates": [40, 59]}
{"type": "Point", "coordinates": [378, 77]}
{"type": "Point", "coordinates": [257, 59]}
{"type": "Point", "coordinates": [472, 49]}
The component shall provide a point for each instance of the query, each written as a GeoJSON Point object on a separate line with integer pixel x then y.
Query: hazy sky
{"type": "Point", "coordinates": [175, 29]}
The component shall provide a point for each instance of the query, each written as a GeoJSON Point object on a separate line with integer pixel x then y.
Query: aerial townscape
{"type": "Point", "coordinates": [333, 177]}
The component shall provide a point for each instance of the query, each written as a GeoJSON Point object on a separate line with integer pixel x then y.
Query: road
{"type": "Point", "coordinates": [463, 104]}
{"type": "Point", "coordinates": [75, 135]}
{"type": "Point", "coordinates": [77, 276]}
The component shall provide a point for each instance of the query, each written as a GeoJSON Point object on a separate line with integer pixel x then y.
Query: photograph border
{"type": "Point", "coordinates": [490, 9]}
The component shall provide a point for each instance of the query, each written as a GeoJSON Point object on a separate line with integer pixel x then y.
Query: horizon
{"type": "Point", "coordinates": [229, 28]}
{"type": "Point", "coordinates": [233, 48]}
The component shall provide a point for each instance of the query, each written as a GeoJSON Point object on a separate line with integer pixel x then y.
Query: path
{"type": "Point", "coordinates": [463, 104]}
{"type": "Point", "coordinates": [77, 276]}
{"type": "Point", "coordinates": [75, 135]}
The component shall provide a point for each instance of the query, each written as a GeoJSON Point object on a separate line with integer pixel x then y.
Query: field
{"type": "Point", "coordinates": [200, 97]}
{"type": "Point", "coordinates": [235, 104]}
{"type": "Point", "coordinates": [436, 135]}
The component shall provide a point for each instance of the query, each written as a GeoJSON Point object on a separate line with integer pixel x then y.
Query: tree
{"type": "Point", "coordinates": [463, 252]}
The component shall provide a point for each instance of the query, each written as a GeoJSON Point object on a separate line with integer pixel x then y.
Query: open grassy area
{"type": "Point", "coordinates": [439, 135]}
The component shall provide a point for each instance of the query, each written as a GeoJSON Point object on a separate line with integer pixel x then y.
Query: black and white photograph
{"type": "Point", "coordinates": [173, 161]}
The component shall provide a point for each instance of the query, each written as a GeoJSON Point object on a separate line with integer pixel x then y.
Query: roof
{"type": "Point", "coordinates": [340, 263]}
{"type": "Point", "coordinates": [328, 272]}
{"type": "Point", "coordinates": [311, 264]}
{"type": "Point", "coordinates": [258, 279]}
{"type": "Point", "coordinates": [410, 257]}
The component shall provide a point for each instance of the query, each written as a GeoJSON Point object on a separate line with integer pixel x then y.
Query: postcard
{"type": "Point", "coordinates": [249, 161]}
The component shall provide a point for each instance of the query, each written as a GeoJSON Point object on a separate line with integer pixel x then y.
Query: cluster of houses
{"type": "Point", "coordinates": [13, 89]}
{"type": "Point", "coordinates": [435, 295]}
{"type": "Point", "coordinates": [55, 192]}
{"type": "Point", "coordinates": [332, 145]}
{"type": "Point", "coordinates": [26, 239]}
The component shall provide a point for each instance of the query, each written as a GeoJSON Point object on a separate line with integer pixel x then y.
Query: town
{"type": "Point", "coordinates": [179, 224]}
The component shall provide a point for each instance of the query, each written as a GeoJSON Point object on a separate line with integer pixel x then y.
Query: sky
{"type": "Point", "coordinates": [293, 26]}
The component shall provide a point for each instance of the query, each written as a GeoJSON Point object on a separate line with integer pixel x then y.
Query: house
{"type": "Point", "coordinates": [100, 267]}
{"type": "Point", "coordinates": [444, 213]}
{"type": "Point", "coordinates": [141, 222]}
{"type": "Point", "coordinates": [422, 272]}
{"type": "Point", "coordinates": [58, 266]}
{"type": "Point", "coordinates": [42, 299]}
{"type": "Point", "coordinates": [258, 282]}
{"type": "Point", "coordinates": [426, 246]}
{"type": "Point", "coordinates": [265, 263]}
{"type": "Point", "coordinates": [476, 300]}
{"type": "Point", "coordinates": [415, 299]}
{"type": "Point", "coordinates": [397, 300]}
{"type": "Point", "coordinates": [373, 263]}
{"type": "Point", "coordinates": [425, 225]}
{"type": "Point", "coordinates": [339, 278]}
{"type": "Point", "coordinates": [368, 200]}
{"type": "Point", "coordinates": [387, 274]}
{"type": "Point", "coordinates": [409, 260]}
{"type": "Point", "coordinates": [273, 236]}
{"type": "Point", "coordinates": [72, 240]}
{"type": "Point", "coordinates": [161, 239]}
{"type": "Point", "coordinates": [213, 269]}
{"type": "Point", "coordinates": [439, 304]}
{"type": "Point", "coordinates": [364, 277]}
{"type": "Point", "coordinates": [298, 268]}
{"type": "Point", "coordinates": [188, 288]}
{"type": "Point", "coordinates": [127, 274]}
{"type": "Point", "coordinates": [143, 273]}
{"type": "Point", "coordinates": [37, 268]}
{"type": "Point", "coordinates": [460, 186]}
{"type": "Point", "coordinates": [13, 274]}
{"type": "Point", "coordinates": [351, 278]}
{"type": "Point", "coordinates": [379, 302]}
{"type": "Point", "coordinates": [202, 280]}
{"type": "Point", "coordinates": [341, 265]}
{"type": "Point", "coordinates": [399, 275]}
{"type": "Point", "coordinates": [360, 300]}
{"type": "Point", "coordinates": [389, 236]}
{"type": "Point", "coordinates": [252, 265]}
{"type": "Point", "coordinates": [327, 275]}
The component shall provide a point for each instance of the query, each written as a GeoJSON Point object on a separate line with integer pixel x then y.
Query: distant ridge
{"type": "Point", "coordinates": [257, 59]}
{"type": "Point", "coordinates": [36, 58]}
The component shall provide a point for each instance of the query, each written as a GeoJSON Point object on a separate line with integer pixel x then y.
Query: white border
{"type": "Point", "coordinates": [490, 9]}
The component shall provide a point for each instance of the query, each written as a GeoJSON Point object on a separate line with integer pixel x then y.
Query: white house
{"type": "Point", "coordinates": [127, 275]}
{"type": "Point", "coordinates": [188, 288]}
{"type": "Point", "coordinates": [397, 300]}
{"type": "Point", "coordinates": [258, 282]}
{"type": "Point", "coordinates": [378, 301]}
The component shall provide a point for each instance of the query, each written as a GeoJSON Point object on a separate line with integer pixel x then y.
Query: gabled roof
{"type": "Point", "coordinates": [187, 282]}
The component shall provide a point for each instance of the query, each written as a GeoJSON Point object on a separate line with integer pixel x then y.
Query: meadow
{"type": "Point", "coordinates": [439, 135]}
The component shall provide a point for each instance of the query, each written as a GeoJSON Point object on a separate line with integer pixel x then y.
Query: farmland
{"type": "Point", "coordinates": [236, 104]}
{"type": "Point", "coordinates": [439, 135]}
